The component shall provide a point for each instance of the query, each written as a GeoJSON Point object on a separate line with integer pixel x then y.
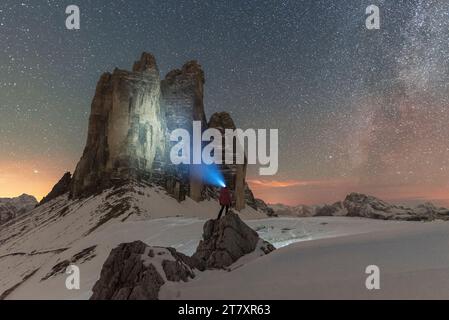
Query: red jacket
{"type": "Point", "coordinates": [225, 197]}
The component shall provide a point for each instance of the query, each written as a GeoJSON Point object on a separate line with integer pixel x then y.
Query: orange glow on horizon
{"type": "Point", "coordinates": [37, 177]}
{"type": "Point", "coordinates": [32, 177]}
{"type": "Point", "coordinates": [277, 184]}
{"type": "Point", "coordinates": [313, 192]}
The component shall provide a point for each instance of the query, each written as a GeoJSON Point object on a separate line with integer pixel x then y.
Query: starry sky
{"type": "Point", "coordinates": [357, 110]}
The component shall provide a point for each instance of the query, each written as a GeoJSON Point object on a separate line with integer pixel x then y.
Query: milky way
{"type": "Point", "coordinates": [357, 109]}
{"type": "Point", "coordinates": [402, 134]}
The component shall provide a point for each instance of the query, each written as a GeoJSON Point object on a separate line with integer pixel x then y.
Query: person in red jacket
{"type": "Point", "coordinates": [225, 200]}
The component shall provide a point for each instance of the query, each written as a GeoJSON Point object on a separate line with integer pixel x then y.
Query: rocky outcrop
{"type": "Point", "coordinates": [11, 208]}
{"type": "Point", "coordinates": [126, 129]}
{"type": "Point", "coordinates": [257, 204]}
{"type": "Point", "coordinates": [135, 271]}
{"type": "Point", "coordinates": [60, 188]}
{"type": "Point", "coordinates": [226, 240]}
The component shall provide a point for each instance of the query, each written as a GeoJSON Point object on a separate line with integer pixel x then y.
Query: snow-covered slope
{"type": "Point", "coordinates": [181, 233]}
{"type": "Point", "coordinates": [11, 208]}
{"type": "Point", "coordinates": [36, 249]}
{"type": "Point", "coordinates": [38, 245]}
{"type": "Point", "coordinates": [413, 259]}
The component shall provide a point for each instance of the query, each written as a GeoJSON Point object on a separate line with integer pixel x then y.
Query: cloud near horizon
{"type": "Point", "coordinates": [291, 183]}
{"type": "Point", "coordinates": [276, 184]}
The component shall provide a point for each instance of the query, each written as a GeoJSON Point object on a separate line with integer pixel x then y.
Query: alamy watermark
{"type": "Point", "coordinates": [72, 282]}
{"type": "Point", "coordinates": [239, 146]}
{"type": "Point", "coordinates": [372, 282]}
{"type": "Point", "coordinates": [372, 22]}
{"type": "Point", "coordinates": [73, 22]}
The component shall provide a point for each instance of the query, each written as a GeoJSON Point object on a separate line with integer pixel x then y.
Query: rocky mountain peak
{"type": "Point", "coordinates": [221, 120]}
{"type": "Point", "coordinates": [361, 198]}
{"type": "Point", "coordinates": [11, 208]}
{"type": "Point", "coordinates": [355, 201]}
{"type": "Point", "coordinates": [191, 70]}
{"type": "Point", "coordinates": [26, 197]}
{"type": "Point", "coordinates": [147, 62]}
{"type": "Point", "coordinates": [59, 189]}
{"type": "Point", "coordinates": [126, 129]}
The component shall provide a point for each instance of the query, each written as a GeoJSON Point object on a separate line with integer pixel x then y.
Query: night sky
{"type": "Point", "coordinates": [357, 110]}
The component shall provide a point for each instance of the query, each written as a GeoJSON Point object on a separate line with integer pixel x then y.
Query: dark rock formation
{"type": "Point", "coordinates": [337, 209]}
{"type": "Point", "coordinates": [135, 271]}
{"type": "Point", "coordinates": [257, 204]}
{"type": "Point", "coordinates": [226, 240]}
{"type": "Point", "coordinates": [221, 121]}
{"type": "Point", "coordinates": [60, 188]}
{"type": "Point", "coordinates": [126, 129]}
{"type": "Point", "coordinates": [11, 208]}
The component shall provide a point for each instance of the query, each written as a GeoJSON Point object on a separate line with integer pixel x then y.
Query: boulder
{"type": "Point", "coordinates": [136, 271]}
{"type": "Point", "coordinates": [226, 240]}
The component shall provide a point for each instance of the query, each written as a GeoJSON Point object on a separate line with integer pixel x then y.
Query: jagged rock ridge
{"type": "Point", "coordinates": [60, 188]}
{"type": "Point", "coordinates": [360, 205]}
{"type": "Point", "coordinates": [11, 208]}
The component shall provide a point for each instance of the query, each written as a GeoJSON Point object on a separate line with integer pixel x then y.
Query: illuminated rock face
{"type": "Point", "coordinates": [182, 101]}
{"type": "Point", "coordinates": [126, 129]}
{"type": "Point", "coordinates": [132, 116]}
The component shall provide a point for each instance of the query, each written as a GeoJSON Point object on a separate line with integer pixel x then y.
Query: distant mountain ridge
{"type": "Point", "coordinates": [361, 205]}
{"type": "Point", "coordinates": [11, 208]}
